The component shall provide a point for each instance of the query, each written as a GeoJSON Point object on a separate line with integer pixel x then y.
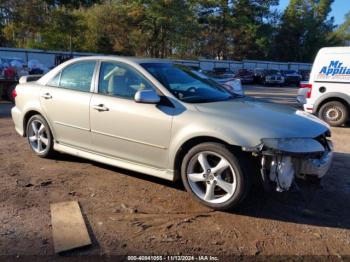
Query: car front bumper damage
{"type": "Point", "coordinates": [284, 160]}
{"type": "Point", "coordinates": [316, 166]}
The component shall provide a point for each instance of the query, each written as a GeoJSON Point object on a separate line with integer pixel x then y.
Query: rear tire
{"type": "Point", "coordinates": [213, 176]}
{"type": "Point", "coordinates": [334, 113]}
{"type": "Point", "coordinates": [40, 137]}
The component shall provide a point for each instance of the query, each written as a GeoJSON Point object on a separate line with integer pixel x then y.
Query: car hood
{"type": "Point", "coordinates": [255, 119]}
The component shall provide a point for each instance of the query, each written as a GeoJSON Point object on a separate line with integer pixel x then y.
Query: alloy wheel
{"type": "Point", "coordinates": [211, 177]}
{"type": "Point", "coordinates": [38, 136]}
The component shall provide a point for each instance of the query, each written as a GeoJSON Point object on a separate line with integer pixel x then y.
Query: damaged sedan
{"type": "Point", "coordinates": [161, 119]}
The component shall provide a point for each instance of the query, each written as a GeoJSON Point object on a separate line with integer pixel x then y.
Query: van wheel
{"type": "Point", "coordinates": [213, 175]}
{"type": "Point", "coordinates": [334, 113]}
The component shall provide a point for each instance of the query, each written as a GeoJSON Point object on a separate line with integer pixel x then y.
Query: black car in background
{"type": "Point", "coordinates": [246, 76]}
{"type": "Point", "coordinates": [221, 72]}
{"type": "Point", "coordinates": [305, 74]}
{"type": "Point", "coordinates": [259, 75]}
{"type": "Point", "coordinates": [291, 77]}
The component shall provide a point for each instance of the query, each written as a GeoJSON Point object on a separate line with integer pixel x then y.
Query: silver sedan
{"type": "Point", "coordinates": [161, 119]}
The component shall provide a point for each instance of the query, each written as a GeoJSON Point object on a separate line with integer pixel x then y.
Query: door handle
{"type": "Point", "coordinates": [100, 107]}
{"type": "Point", "coordinates": [47, 96]}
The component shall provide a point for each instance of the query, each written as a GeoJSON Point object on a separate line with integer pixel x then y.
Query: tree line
{"type": "Point", "coordinates": [224, 29]}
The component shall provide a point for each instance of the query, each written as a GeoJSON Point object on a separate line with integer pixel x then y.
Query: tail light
{"type": "Point", "coordinates": [309, 87]}
{"type": "Point", "coordinates": [14, 94]}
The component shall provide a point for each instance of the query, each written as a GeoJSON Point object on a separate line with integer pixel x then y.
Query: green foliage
{"type": "Point", "coordinates": [236, 29]}
{"type": "Point", "coordinates": [254, 28]}
{"type": "Point", "coordinates": [343, 31]}
{"type": "Point", "coordinates": [165, 24]}
{"type": "Point", "coordinates": [23, 20]}
{"type": "Point", "coordinates": [216, 21]}
{"type": "Point", "coordinates": [305, 28]}
{"type": "Point", "coordinates": [62, 31]}
{"type": "Point", "coordinates": [231, 29]}
{"type": "Point", "coordinates": [108, 28]}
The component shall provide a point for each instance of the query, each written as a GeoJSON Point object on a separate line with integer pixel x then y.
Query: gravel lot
{"type": "Point", "coordinates": [131, 213]}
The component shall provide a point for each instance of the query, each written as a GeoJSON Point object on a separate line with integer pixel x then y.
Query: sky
{"type": "Point", "coordinates": [339, 9]}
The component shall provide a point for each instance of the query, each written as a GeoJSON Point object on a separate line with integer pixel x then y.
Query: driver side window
{"type": "Point", "coordinates": [121, 80]}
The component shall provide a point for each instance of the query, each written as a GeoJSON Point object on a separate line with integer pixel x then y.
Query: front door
{"type": "Point", "coordinates": [66, 100]}
{"type": "Point", "coordinates": [124, 129]}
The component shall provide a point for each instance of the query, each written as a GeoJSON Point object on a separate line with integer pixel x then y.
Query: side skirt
{"type": "Point", "coordinates": [117, 162]}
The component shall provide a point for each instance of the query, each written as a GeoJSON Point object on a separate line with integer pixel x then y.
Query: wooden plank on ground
{"type": "Point", "coordinates": [68, 227]}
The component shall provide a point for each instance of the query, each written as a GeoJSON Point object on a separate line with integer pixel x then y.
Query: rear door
{"type": "Point", "coordinates": [65, 101]}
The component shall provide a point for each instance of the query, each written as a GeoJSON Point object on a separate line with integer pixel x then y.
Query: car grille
{"type": "Point", "coordinates": [275, 78]}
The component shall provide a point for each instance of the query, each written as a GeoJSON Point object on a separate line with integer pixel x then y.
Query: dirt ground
{"type": "Point", "coordinates": [131, 213]}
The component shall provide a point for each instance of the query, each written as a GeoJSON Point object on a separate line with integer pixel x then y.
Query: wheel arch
{"type": "Point", "coordinates": [342, 98]}
{"type": "Point", "coordinates": [188, 144]}
{"type": "Point", "coordinates": [28, 115]}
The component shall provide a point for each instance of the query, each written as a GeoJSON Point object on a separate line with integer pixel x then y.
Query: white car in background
{"type": "Point", "coordinates": [230, 83]}
{"type": "Point", "coordinates": [273, 77]}
{"type": "Point", "coordinates": [327, 93]}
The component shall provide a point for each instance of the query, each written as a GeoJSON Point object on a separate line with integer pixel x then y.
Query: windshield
{"type": "Point", "coordinates": [186, 84]}
{"type": "Point", "coordinates": [289, 72]}
{"type": "Point", "coordinates": [273, 72]}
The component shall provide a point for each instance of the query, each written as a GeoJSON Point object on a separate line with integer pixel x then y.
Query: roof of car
{"type": "Point", "coordinates": [137, 60]}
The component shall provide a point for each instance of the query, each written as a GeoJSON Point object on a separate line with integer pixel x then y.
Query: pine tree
{"type": "Point", "coordinates": [305, 28]}
{"type": "Point", "coordinates": [343, 31]}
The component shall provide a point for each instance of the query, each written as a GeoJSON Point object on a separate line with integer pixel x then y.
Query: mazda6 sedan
{"type": "Point", "coordinates": [162, 119]}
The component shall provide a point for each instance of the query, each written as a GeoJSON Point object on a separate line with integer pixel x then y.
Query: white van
{"type": "Point", "coordinates": [327, 93]}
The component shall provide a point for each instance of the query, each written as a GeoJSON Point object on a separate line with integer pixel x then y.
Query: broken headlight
{"type": "Point", "coordinates": [293, 145]}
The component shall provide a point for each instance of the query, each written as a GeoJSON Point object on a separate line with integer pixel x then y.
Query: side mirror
{"type": "Point", "coordinates": [147, 97]}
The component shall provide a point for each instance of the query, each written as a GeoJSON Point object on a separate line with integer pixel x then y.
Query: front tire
{"type": "Point", "coordinates": [213, 175]}
{"type": "Point", "coordinates": [39, 136]}
{"type": "Point", "coordinates": [334, 113]}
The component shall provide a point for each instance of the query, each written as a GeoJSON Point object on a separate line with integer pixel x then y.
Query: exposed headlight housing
{"type": "Point", "coordinates": [293, 145]}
